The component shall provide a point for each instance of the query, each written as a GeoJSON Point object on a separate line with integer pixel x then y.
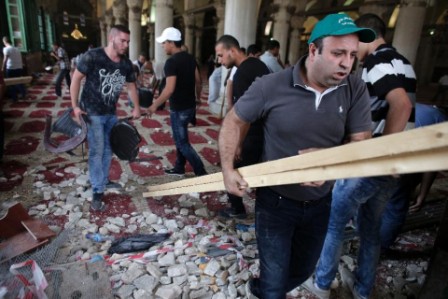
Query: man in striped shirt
{"type": "Point", "coordinates": [391, 82]}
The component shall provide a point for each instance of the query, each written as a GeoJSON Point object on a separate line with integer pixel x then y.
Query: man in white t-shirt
{"type": "Point", "coordinates": [13, 67]}
{"type": "Point", "coordinates": [271, 57]}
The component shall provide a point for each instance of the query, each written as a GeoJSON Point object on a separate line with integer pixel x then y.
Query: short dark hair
{"type": "Point", "coordinates": [273, 44]}
{"type": "Point", "coordinates": [6, 39]}
{"type": "Point", "coordinates": [120, 28]}
{"type": "Point", "coordinates": [319, 43]}
{"type": "Point", "coordinates": [372, 21]}
{"type": "Point", "coordinates": [253, 49]}
{"type": "Point", "coordinates": [177, 43]}
{"type": "Point", "coordinates": [228, 42]}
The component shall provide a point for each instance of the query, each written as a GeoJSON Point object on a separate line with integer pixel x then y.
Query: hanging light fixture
{"type": "Point", "coordinates": [76, 34]}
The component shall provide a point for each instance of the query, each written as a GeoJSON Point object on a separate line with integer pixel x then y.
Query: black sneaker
{"type": "Point", "coordinates": [174, 171]}
{"type": "Point", "coordinates": [113, 185]}
{"type": "Point", "coordinates": [97, 205]}
{"type": "Point", "coordinates": [230, 213]}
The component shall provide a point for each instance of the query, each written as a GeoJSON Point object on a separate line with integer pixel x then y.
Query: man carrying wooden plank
{"type": "Point", "coordinates": [391, 82]}
{"type": "Point", "coordinates": [13, 67]}
{"type": "Point", "coordinates": [315, 104]}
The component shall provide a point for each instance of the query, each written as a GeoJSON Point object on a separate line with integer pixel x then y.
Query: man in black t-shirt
{"type": "Point", "coordinates": [183, 89]}
{"type": "Point", "coordinates": [106, 71]}
{"type": "Point", "coordinates": [229, 54]}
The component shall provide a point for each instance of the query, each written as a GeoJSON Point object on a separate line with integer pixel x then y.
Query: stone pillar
{"type": "Point", "coordinates": [409, 28]}
{"type": "Point", "coordinates": [189, 31]}
{"type": "Point", "coordinates": [151, 40]}
{"type": "Point", "coordinates": [103, 32]}
{"type": "Point", "coordinates": [199, 23]}
{"type": "Point", "coordinates": [198, 44]}
{"type": "Point", "coordinates": [241, 20]}
{"type": "Point", "coordinates": [294, 39]}
{"type": "Point", "coordinates": [108, 18]}
{"type": "Point", "coordinates": [135, 17]}
{"type": "Point", "coordinates": [119, 11]}
{"type": "Point", "coordinates": [281, 25]}
{"type": "Point", "coordinates": [220, 9]}
{"type": "Point", "coordinates": [164, 19]}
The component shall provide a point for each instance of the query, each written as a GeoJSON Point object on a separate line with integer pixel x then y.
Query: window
{"type": "Point", "coordinates": [16, 22]}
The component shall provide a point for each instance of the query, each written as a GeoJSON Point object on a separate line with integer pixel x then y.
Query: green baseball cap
{"type": "Point", "coordinates": [340, 24]}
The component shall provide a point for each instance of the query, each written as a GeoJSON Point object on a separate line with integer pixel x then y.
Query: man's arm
{"type": "Point", "coordinates": [74, 92]}
{"type": "Point", "coordinates": [5, 59]}
{"type": "Point", "coordinates": [400, 108]}
{"type": "Point", "coordinates": [165, 95]}
{"type": "Point", "coordinates": [359, 136]}
{"type": "Point", "coordinates": [233, 131]}
{"type": "Point", "coordinates": [133, 94]}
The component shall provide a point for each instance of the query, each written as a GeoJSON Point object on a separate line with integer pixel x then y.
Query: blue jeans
{"type": "Point", "coordinates": [63, 73]}
{"type": "Point", "coordinates": [13, 90]}
{"type": "Point", "coordinates": [184, 151]}
{"type": "Point", "coordinates": [100, 152]}
{"type": "Point", "coordinates": [366, 197]}
{"type": "Point", "coordinates": [290, 235]}
{"type": "Point", "coordinates": [396, 209]}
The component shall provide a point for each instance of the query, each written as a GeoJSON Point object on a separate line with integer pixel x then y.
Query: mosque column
{"type": "Point", "coordinates": [199, 23]}
{"type": "Point", "coordinates": [281, 25]}
{"type": "Point", "coordinates": [241, 20]}
{"type": "Point", "coordinates": [409, 28]}
{"type": "Point", "coordinates": [151, 40]}
{"type": "Point", "coordinates": [220, 9]}
{"type": "Point", "coordinates": [164, 19]}
{"type": "Point", "coordinates": [198, 44]}
{"type": "Point", "coordinates": [189, 31]}
{"type": "Point", "coordinates": [119, 12]}
{"type": "Point", "coordinates": [294, 38]}
{"type": "Point", "coordinates": [108, 18]}
{"type": "Point", "coordinates": [103, 32]}
{"type": "Point", "coordinates": [135, 16]}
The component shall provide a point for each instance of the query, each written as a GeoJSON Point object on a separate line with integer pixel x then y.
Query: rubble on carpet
{"type": "Point", "coordinates": [203, 258]}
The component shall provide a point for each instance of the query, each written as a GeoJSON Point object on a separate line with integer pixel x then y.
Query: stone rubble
{"type": "Point", "coordinates": [190, 264]}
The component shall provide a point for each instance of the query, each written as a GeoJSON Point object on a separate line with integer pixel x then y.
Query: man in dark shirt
{"type": "Point", "coordinates": [229, 54]}
{"type": "Point", "coordinates": [106, 71]}
{"type": "Point", "coordinates": [315, 104]}
{"type": "Point", "coordinates": [183, 89]}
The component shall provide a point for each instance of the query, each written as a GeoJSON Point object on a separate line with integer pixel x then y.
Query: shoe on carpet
{"type": "Point", "coordinates": [175, 172]}
{"type": "Point", "coordinates": [97, 204]}
{"type": "Point", "coordinates": [113, 185]}
{"type": "Point", "coordinates": [311, 287]}
{"type": "Point", "coordinates": [230, 213]}
{"type": "Point", "coordinates": [348, 281]}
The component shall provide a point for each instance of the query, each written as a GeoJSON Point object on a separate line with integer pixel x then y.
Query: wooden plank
{"type": "Point", "coordinates": [425, 138]}
{"type": "Point", "coordinates": [430, 160]}
{"type": "Point", "coordinates": [18, 80]}
{"type": "Point", "coordinates": [38, 230]}
{"type": "Point", "coordinates": [10, 223]}
{"type": "Point", "coordinates": [18, 245]}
